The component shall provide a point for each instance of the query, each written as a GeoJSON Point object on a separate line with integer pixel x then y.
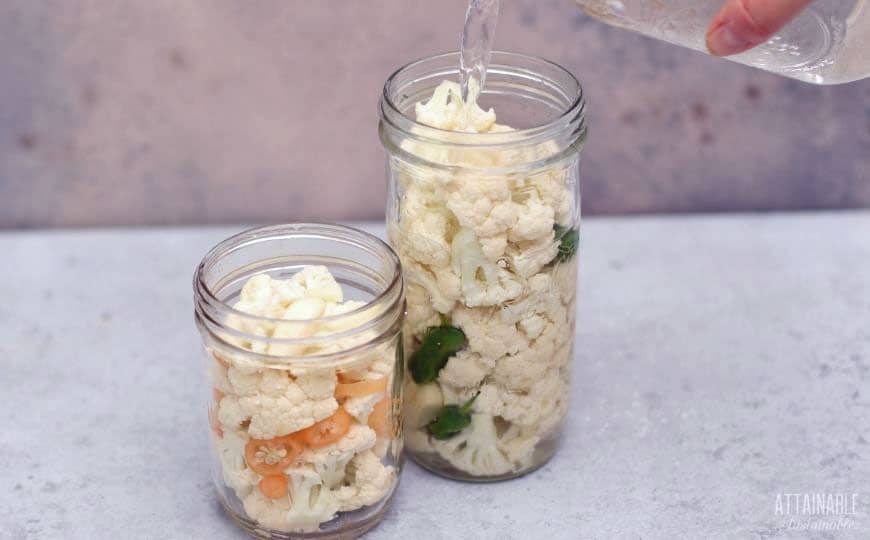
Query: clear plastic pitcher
{"type": "Point", "coordinates": [829, 43]}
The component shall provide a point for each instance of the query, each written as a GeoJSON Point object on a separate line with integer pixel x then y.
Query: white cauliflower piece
{"type": "Point", "coordinates": [218, 376]}
{"type": "Point", "coordinates": [532, 325]}
{"type": "Point", "coordinates": [541, 407]}
{"type": "Point", "coordinates": [277, 405]}
{"type": "Point", "coordinates": [271, 417]}
{"type": "Point", "coordinates": [483, 205]}
{"type": "Point", "coordinates": [520, 371]}
{"type": "Point", "coordinates": [553, 190]}
{"type": "Point", "coordinates": [330, 461]}
{"type": "Point", "coordinates": [271, 514]}
{"type": "Point", "coordinates": [425, 237]}
{"type": "Point", "coordinates": [422, 404]}
{"type": "Point", "coordinates": [442, 300]}
{"type": "Point", "coordinates": [236, 474]}
{"type": "Point", "coordinates": [446, 110]}
{"type": "Point", "coordinates": [565, 278]}
{"type": "Point", "coordinates": [518, 445]}
{"type": "Point", "coordinates": [230, 413]}
{"type": "Point", "coordinates": [483, 283]}
{"type": "Point", "coordinates": [257, 291]}
{"type": "Point", "coordinates": [311, 503]}
{"type": "Point", "coordinates": [361, 407]}
{"type": "Point", "coordinates": [534, 221]}
{"type": "Point", "coordinates": [493, 247]}
{"type": "Point", "coordinates": [528, 258]}
{"type": "Point", "coordinates": [319, 283]}
{"type": "Point", "coordinates": [466, 369]}
{"type": "Point", "coordinates": [368, 480]}
{"type": "Point", "coordinates": [306, 309]}
{"type": "Point", "coordinates": [541, 297]}
{"type": "Point", "coordinates": [383, 446]}
{"type": "Point", "coordinates": [418, 440]}
{"type": "Point", "coordinates": [263, 296]}
{"type": "Point", "coordinates": [419, 315]}
{"type": "Point", "coordinates": [487, 334]}
{"type": "Point", "coordinates": [475, 449]}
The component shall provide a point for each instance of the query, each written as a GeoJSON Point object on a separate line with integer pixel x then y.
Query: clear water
{"type": "Point", "coordinates": [826, 44]}
{"type": "Point", "coordinates": [475, 49]}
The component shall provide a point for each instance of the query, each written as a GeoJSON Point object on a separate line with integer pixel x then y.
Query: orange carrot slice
{"type": "Point", "coordinates": [379, 419]}
{"type": "Point", "coordinates": [274, 487]}
{"type": "Point", "coordinates": [360, 388]}
{"type": "Point", "coordinates": [272, 456]}
{"type": "Point", "coordinates": [326, 431]}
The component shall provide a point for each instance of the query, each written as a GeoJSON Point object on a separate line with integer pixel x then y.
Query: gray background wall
{"type": "Point", "coordinates": [200, 111]}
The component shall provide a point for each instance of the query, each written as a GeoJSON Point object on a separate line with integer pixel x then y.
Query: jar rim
{"type": "Point", "coordinates": [571, 117]}
{"type": "Point", "coordinates": [211, 309]}
{"type": "Point", "coordinates": [259, 233]}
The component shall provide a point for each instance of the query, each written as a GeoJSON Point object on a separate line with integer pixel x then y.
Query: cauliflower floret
{"type": "Point", "coordinates": [493, 247]}
{"type": "Point", "coordinates": [269, 513]}
{"type": "Point", "coordinates": [518, 445]}
{"type": "Point", "coordinates": [418, 440]}
{"type": "Point", "coordinates": [383, 446]}
{"type": "Point", "coordinates": [369, 481]}
{"type": "Point", "coordinates": [475, 449]}
{"type": "Point", "coordinates": [540, 297]}
{"type": "Point", "coordinates": [487, 334]}
{"type": "Point", "coordinates": [330, 461]}
{"type": "Point", "coordinates": [311, 503]}
{"type": "Point", "coordinates": [319, 283]}
{"type": "Point", "coordinates": [423, 403]}
{"type": "Point", "coordinates": [419, 315]}
{"type": "Point", "coordinates": [257, 291]}
{"type": "Point", "coordinates": [236, 474]}
{"type": "Point", "coordinates": [520, 371]}
{"type": "Point", "coordinates": [441, 299]}
{"type": "Point", "coordinates": [483, 283]}
{"type": "Point", "coordinates": [446, 110]}
{"type": "Point", "coordinates": [528, 258]}
{"type": "Point", "coordinates": [553, 190]}
{"type": "Point", "coordinates": [230, 413]}
{"type": "Point", "coordinates": [276, 405]}
{"type": "Point", "coordinates": [483, 205]}
{"type": "Point", "coordinates": [425, 237]}
{"type": "Point", "coordinates": [532, 325]}
{"type": "Point", "coordinates": [565, 278]}
{"type": "Point", "coordinates": [217, 373]}
{"type": "Point", "coordinates": [271, 417]}
{"type": "Point", "coordinates": [466, 369]}
{"type": "Point", "coordinates": [540, 407]}
{"type": "Point", "coordinates": [361, 407]}
{"type": "Point", "coordinates": [372, 364]}
{"type": "Point", "coordinates": [534, 221]}
{"type": "Point", "coordinates": [305, 309]}
{"type": "Point", "coordinates": [263, 296]}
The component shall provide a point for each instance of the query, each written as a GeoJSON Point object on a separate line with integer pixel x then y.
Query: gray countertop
{"type": "Point", "coordinates": [722, 362]}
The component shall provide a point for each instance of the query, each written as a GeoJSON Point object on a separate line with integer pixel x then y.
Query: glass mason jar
{"type": "Point", "coordinates": [305, 377]}
{"type": "Point", "coordinates": [486, 227]}
{"type": "Point", "coordinates": [826, 44]}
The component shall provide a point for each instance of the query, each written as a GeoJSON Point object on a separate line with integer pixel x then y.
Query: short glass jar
{"type": "Point", "coordinates": [486, 226]}
{"type": "Point", "coordinates": [301, 327]}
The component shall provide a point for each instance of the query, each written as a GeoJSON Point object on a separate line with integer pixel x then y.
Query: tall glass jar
{"type": "Point", "coordinates": [486, 227]}
{"type": "Point", "coordinates": [301, 326]}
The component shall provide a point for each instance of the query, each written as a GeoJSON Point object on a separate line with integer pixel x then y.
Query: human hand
{"type": "Point", "coordinates": [742, 24]}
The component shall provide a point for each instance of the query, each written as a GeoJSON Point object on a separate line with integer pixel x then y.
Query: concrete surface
{"type": "Point", "coordinates": [220, 111]}
{"type": "Point", "coordinates": [721, 361]}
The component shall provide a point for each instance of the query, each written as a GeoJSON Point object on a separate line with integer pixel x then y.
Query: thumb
{"type": "Point", "coordinates": [743, 24]}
